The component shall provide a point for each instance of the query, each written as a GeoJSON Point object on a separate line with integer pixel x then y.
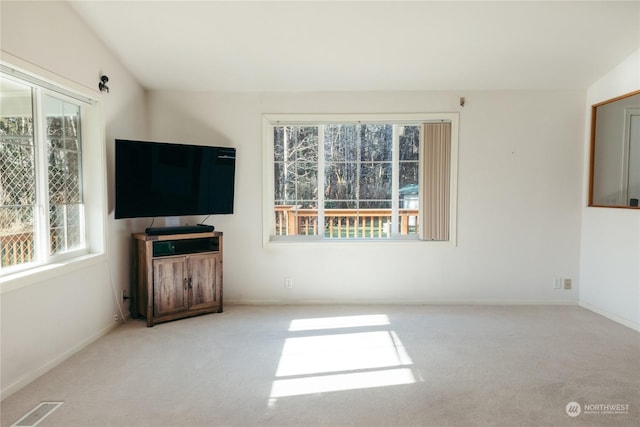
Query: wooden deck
{"type": "Point", "coordinates": [16, 248]}
{"type": "Point", "coordinates": [342, 223]}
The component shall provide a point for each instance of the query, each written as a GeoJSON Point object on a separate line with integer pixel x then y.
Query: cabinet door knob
{"type": "Point", "coordinates": [185, 283]}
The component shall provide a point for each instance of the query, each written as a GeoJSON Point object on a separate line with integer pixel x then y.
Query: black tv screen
{"type": "Point", "coordinates": [166, 179]}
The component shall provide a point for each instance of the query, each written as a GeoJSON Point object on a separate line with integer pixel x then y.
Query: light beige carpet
{"type": "Point", "coordinates": [361, 365]}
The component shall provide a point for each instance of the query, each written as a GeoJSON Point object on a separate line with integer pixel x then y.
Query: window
{"type": "Point", "coordinates": [365, 177]}
{"type": "Point", "coordinates": [42, 207]}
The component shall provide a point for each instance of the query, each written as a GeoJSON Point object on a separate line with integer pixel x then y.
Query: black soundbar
{"type": "Point", "coordinates": [181, 229]}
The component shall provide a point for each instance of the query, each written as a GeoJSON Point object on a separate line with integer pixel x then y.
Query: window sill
{"type": "Point", "coordinates": [26, 278]}
{"type": "Point", "coordinates": [284, 242]}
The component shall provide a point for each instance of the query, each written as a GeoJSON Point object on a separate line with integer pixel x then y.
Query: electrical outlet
{"type": "Point", "coordinates": [288, 283]}
{"type": "Point", "coordinates": [567, 283]}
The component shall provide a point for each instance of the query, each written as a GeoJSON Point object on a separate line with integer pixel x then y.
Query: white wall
{"type": "Point", "coordinates": [610, 244]}
{"type": "Point", "coordinates": [47, 321]}
{"type": "Point", "coordinates": [520, 171]}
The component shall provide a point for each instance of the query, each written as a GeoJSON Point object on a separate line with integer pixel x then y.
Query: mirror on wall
{"type": "Point", "coordinates": [615, 152]}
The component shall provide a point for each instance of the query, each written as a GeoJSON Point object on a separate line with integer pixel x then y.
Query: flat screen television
{"type": "Point", "coordinates": [159, 179]}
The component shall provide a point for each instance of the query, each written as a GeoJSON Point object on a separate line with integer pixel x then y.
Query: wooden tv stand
{"type": "Point", "coordinates": [176, 276]}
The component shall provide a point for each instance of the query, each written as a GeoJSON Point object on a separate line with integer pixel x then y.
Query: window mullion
{"type": "Point", "coordinates": [395, 182]}
{"type": "Point", "coordinates": [321, 160]}
{"type": "Point", "coordinates": [358, 165]}
{"type": "Point", "coordinates": [41, 220]}
{"type": "Point", "coordinates": [421, 185]}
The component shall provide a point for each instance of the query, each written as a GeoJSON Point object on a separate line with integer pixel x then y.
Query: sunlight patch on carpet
{"type": "Point", "coordinates": [341, 352]}
{"type": "Point", "coordinates": [341, 361]}
{"type": "Point", "coordinates": [341, 382]}
{"type": "Point", "coordinates": [338, 322]}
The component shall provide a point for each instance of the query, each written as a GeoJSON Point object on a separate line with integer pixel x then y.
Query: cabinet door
{"type": "Point", "coordinates": [169, 286]}
{"type": "Point", "coordinates": [205, 281]}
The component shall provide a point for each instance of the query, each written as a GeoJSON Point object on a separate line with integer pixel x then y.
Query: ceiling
{"type": "Point", "coordinates": [365, 45]}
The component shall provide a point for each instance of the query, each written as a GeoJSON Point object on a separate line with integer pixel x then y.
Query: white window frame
{"type": "Point", "coordinates": [93, 175]}
{"type": "Point", "coordinates": [268, 190]}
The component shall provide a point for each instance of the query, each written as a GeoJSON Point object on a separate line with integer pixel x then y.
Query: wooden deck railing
{"type": "Point", "coordinates": [16, 248]}
{"type": "Point", "coordinates": [342, 223]}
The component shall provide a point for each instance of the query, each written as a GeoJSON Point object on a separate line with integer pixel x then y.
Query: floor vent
{"type": "Point", "coordinates": [37, 414]}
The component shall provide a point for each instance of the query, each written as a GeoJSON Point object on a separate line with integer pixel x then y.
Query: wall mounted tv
{"type": "Point", "coordinates": [165, 179]}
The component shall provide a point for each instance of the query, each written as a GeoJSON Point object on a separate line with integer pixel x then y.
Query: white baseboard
{"type": "Point", "coordinates": [628, 323]}
{"type": "Point", "coordinates": [243, 301]}
{"type": "Point", "coordinates": [36, 373]}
